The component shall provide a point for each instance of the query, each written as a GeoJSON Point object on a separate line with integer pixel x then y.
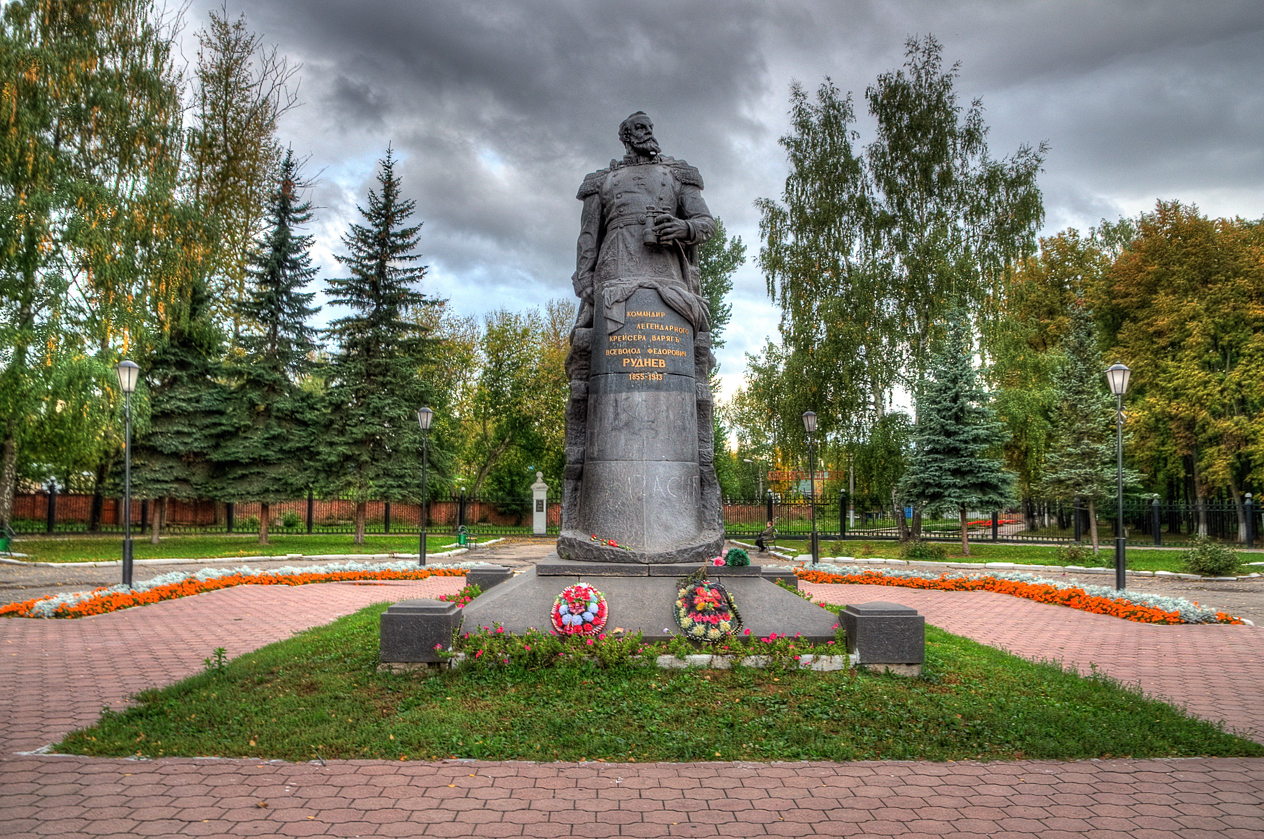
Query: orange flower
{"type": "Point", "coordinates": [1075, 598]}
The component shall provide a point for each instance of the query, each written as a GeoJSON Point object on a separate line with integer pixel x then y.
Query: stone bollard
{"type": "Point", "coordinates": [413, 632]}
{"type": "Point", "coordinates": [887, 636]}
{"type": "Point", "coordinates": [486, 576]}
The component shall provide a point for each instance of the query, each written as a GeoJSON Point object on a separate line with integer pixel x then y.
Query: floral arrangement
{"type": "Point", "coordinates": [607, 542]}
{"type": "Point", "coordinates": [1101, 600]}
{"type": "Point", "coordinates": [181, 584]}
{"type": "Point", "coordinates": [580, 610]}
{"type": "Point", "coordinates": [705, 611]}
{"type": "Point", "coordinates": [733, 557]}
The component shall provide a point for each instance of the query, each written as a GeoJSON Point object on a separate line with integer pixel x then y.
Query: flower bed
{"type": "Point", "coordinates": [179, 584]}
{"type": "Point", "coordinates": [1101, 600]}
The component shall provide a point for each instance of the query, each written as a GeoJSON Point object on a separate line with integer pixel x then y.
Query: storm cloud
{"type": "Point", "coordinates": [497, 110]}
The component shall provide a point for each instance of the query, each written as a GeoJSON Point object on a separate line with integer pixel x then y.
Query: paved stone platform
{"type": "Point", "coordinates": [1142, 799]}
{"type": "Point", "coordinates": [56, 675]}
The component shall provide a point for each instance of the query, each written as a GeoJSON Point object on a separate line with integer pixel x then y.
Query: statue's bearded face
{"type": "Point", "coordinates": [638, 136]}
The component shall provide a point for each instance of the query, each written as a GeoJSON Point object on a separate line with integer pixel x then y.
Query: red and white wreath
{"type": "Point", "coordinates": [579, 610]}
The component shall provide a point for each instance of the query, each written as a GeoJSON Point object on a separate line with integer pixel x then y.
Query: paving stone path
{"type": "Point", "coordinates": [56, 675]}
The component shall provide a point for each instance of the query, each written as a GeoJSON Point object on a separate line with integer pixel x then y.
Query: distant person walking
{"type": "Point", "coordinates": [761, 541]}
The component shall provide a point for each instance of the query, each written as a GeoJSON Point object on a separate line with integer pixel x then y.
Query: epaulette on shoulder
{"type": "Point", "coordinates": [592, 183]}
{"type": "Point", "coordinates": [685, 173]}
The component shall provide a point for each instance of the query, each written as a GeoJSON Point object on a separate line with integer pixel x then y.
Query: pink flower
{"type": "Point", "coordinates": [477, 654]}
{"type": "Point", "coordinates": [439, 646]}
{"type": "Point", "coordinates": [747, 632]}
{"type": "Point", "coordinates": [527, 647]}
{"type": "Point", "coordinates": [601, 637]}
{"type": "Point", "coordinates": [499, 629]}
{"type": "Point", "coordinates": [719, 560]}
{"type": "Point", "coordinates": [590, 642]}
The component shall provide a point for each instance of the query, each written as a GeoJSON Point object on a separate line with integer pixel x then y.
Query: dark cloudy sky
{"type": "Point", "coordinates": [498, 109]}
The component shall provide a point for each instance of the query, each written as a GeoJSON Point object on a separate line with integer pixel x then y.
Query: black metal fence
{"type": "Point", "coordinates": [1145, 521]}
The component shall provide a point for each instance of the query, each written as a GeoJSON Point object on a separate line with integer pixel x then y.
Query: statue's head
{"type": "Point", "coordinates": [637, 134]}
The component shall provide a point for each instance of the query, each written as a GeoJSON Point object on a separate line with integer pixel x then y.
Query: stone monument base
{"type": "Point", "coordinates": [578, 546]}
{"type": "Point", "coordinates": [642, 597]}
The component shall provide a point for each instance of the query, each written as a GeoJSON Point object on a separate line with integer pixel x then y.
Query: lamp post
{"type": "Point", "coordinates": [127, 373]}
{"type": "Point", "coordinates": [424, 417]}
{"type": "Point", "coordinates": [809, 425]}
{"type": "Point", "coordinates": [1117, 375]}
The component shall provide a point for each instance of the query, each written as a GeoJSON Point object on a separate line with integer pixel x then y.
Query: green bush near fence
{"type": "Point", "coordinates": [1210, 559]}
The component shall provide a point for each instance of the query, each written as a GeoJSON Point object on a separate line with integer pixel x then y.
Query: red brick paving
{"type": "Point", "coordinates": [66, 671]}
{"type": "Point", "coordinates": [58, 674]}
{"type": "Point", "coordinates": [189, 797]}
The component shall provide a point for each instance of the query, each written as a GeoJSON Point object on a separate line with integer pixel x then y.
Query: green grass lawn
{"type": "Point", "coordinates": [1139, 559]}
{"type": "Point", "coordinates": [89, 548]}
{"type": "Point", "coordinates": [319, 695]}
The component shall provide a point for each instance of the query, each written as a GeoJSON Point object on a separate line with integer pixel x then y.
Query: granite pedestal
{"type": "Point", "coordinates": [887, 636]}
{"type": "Point", "coordinates": [413, 632]}
{"type": "Point", "coordinates": [641, 598]}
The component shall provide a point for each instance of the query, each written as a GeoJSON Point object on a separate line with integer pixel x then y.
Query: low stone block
{"type": "Point", "coordinates": [782, 575]}
{"type": "Point", "coordinates": [487, 576]}
{"type": "Point", "coordinates": [886, 634]}
{"type": "Point", "coordinates": [416, 630]}
{"type": "Point", "coordinates": [579, 568]}
{"type": "Point", "coordinates": [682, 570]}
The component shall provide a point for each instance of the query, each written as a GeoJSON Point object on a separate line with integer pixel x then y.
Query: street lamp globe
{"type": "Point", "coordinates": [424, 417]}
{"type": "Point", "coordinates": [1117, 375]}
{"type": "Point", "coordinates": [809, 422]}
{"type": "Point", "coordinates": [127, 373]}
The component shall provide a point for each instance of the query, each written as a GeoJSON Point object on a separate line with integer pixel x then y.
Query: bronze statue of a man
{"type": "Point", "coordinates": [639, 437]}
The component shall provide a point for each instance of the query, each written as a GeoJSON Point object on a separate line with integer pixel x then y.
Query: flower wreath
{"type": "Point", "coordinates": [579, 610]}
{"type": "Point", "coordinates": [705, 611]}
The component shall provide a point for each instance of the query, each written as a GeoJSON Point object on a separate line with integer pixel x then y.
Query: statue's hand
{"type": "Point", "coordinates": [668, 228]}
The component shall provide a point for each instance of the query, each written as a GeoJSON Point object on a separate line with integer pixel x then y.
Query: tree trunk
{"type": "Point", "coordinates": [98, 496]}
{"type": "Point", "coordinates": [897, 515]}
{"type": "Point", "coordinates": [156, 520]}
{"type": "Point", "coordinates": [965, 539]}
{"type": "Point", "coordinates": [8, 477]}
{"type": "Point", "coordinates": [1092, 523]}
{"type": "Point", "coordinates": [361, 513]}
{"type": "Point", "coordinates": [263, 522]}
{"type": "Point", "coordinates": [1238, 504]}
{"type": "Point", "coordinates": [489, 463]}
{"type": "Point", "coordinates": [1200, 498]}
{"type": "Point", "coordinates": [917, 522]}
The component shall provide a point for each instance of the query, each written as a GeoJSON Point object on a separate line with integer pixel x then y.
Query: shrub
{"type": "Point", "coordinates": [737, 558]}
{"type": "Point", "coordinates": [866, 549]}
{"type": "Point", "coordinates": [1210, 559]}
{"type": "Point", "coordinates": [248, 523]}
{"type": "Point", "coordinates": [838, 548]}
{"type": "Point", "coordinates": [1077, 553]}
{"type": "Point", "coordinates": [290, 520]}
{"type": "Point", "coordinates": [923, 551]}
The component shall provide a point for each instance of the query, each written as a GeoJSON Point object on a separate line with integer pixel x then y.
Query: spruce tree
{"type": "Point", "coordinates": [187, 403]}
{"type": "Point", "coordinates": [1081, 463]}
{"type": "Point", "coordinates": [952, 462]}
{"type": "Point", "coordinates": [374, 445]}
{"type": "Point", "coordinates": [266, 456]}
